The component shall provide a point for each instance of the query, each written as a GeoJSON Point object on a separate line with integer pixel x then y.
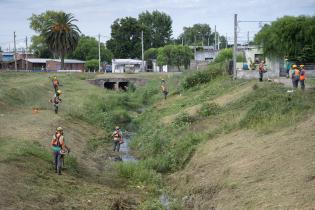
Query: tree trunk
{"type": "Point", "coordinates": [178, 68]}
{"type": "Point", "coordinates": [62, 61]}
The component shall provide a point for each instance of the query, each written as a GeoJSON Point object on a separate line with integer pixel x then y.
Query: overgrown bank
{"type": "Point", "coordinates": [204, 110]}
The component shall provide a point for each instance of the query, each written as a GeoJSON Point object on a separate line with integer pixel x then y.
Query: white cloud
{"type": "Point", "coordinates": [96, 16]}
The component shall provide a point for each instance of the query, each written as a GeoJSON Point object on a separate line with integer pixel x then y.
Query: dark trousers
{"type": "Point", "coordinates": [295, 83]}
{"type": "Point", "coordinates": [165, 94]}
{"type": "Point", "coordinates": [57, 161]}
{"type": "Point", "coordinates": [261, 75]}
{"type": "Point", "coordinates": [116, 146]}
{"type": "Point", "coordinates": [302, 84]}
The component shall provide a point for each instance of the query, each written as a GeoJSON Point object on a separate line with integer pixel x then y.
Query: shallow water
{"type": "Point", "coordinates": [124, 149]}
{"type": "Point", "coordinates": [165, 201]}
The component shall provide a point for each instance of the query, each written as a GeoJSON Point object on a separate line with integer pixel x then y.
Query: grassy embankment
{"type": "Point", "coordinates": [87, 114]}
{"type": "Point", "coordinates": [198, 140]}
{"type": "Point", "coordinates": [217, 127]}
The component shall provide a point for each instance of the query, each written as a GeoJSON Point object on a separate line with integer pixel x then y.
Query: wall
{"type": "Point", "coordinates": [273, 71]}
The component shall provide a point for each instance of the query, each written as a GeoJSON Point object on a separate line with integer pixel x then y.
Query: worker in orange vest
{"type": "Point", "coordinates": [295, 76]}
{"type": "Point", "coordinates": [164, 88]}
{"type": "Point", "coordinates": [55, 83]}
{"type": "Point", "coordinates": [302, 76]}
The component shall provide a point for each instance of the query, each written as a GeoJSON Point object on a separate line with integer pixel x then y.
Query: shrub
{"type": "Point", "coordinates": [183, 119]}
{"type": "Point", "coordinates": [137, 173]}
{"type": "Point", "coordinates": [209, 109]}
{"type": "Point", "coordinates": [202, 76]}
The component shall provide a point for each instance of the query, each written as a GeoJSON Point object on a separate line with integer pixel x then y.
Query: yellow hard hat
{"type": "Point", "coordinates": [59, 129]}
{"type": "Point", "coordinates": [55, 77]}
{"type": "Point", "coordinates": [117, 127]}
{"type": "Point", "coordinates": [294, 66]}
{"type": "Point", "coordinates": [59, 92]}
{"type": "Point", "coordinates": [301, 65]}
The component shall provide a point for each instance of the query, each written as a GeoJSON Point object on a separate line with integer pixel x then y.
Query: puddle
{"type": "Point", "coordinates": [124, 148]}
{"type": "Point", "coordinates": [165, 201]}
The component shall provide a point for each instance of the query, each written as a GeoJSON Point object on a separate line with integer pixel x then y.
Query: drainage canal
{"type": "Point", "coordinates": [110, 85]}
{"type": "Point", "coordinates": [127, 157]}
{"type": "Point", "coordinates": [123, 86]}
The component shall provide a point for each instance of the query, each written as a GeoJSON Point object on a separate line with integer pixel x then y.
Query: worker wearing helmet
{"type": "Point", "coordinates": [295, 76]}
{"type": "Point", "coordinates": [262, 70]}
{"type": "Point", "coordinates": [59, 148]}
{"type": "Point", "coordinates": [302, 76]}
{"type": "Point", "coordinates": [55, 83]}
{"type": "Point", "coordinates": [164, 88]}
{"type": "Point", "coordinates": [56, 100]}
{"type": "Point", "coordinates": [117, 139]}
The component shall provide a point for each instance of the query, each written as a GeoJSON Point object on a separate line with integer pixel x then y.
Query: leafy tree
{"type": "Point", "coordinates": [223, 42]}
{"type": "Point", "coordinates": [198, 34]}
{"type": "Point", "coordinates": [61, 35]}
{"type": "Point", "coordinates": [40, 48]}
{"type": "Point", "coordinates": [91, 64]}
{"type": "Point", "coordinates": [125, 39]}
{"type": "Point", "coordinates": [227, 54]}
{"type": "Point", "coordinates": [37, 23]}
{"type": "Point", "coordinates": [176, 55]}
{"type": "Point", "coordinates": [291, 37]}
{"type": "Point", "coordinates": [157, 28]}
{"type": "Point", "coordinates": [87, 49]}
{"type": "Point", "coordinates": [151, 54]}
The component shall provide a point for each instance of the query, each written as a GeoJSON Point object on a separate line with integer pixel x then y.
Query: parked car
{"type": "Point", "coordinates": [108, 68]}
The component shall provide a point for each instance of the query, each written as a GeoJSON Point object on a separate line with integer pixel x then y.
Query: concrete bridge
{"type": "Point", "coordinates": [117, 83]}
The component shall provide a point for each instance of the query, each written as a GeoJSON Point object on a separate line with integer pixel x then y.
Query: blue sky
{"type": "Point", "coordinates": [96, 16]}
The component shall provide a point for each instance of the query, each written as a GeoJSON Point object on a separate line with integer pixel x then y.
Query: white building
{"type": "Point", "coordinates": [249, 68]}
{"type": "Point", "coordinates": [127, 66]}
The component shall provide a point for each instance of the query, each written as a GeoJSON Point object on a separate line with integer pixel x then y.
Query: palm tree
{"type": "Point", "coordinates": [61, 35]}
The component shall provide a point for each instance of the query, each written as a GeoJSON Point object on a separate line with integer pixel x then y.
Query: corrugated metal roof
{"type": "Point", "coordinates": [37, 60]}
{"type": "Point", "coordinates": [126, 61]}
{"type": "Point", "coordinates": [44, 60]}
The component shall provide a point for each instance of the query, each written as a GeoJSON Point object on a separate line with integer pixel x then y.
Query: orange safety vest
{"type": "Point", "coordinates": [296, 74]}
{"type": "Point", "coordinates": [302, 74]}
{"type": "Point", "coordinates": [117, 135]}
{"type": "Point", "coordinates": [57, 142]}
{"type": "Point", "coordinates": [55, 82]}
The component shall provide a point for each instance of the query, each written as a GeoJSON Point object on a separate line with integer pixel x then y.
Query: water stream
{"type": "Point", "coordinates": [124, 148]}
{"type": "Point", "coordinates": [127, 157]}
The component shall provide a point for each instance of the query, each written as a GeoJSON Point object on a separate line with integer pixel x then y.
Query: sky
{"type": "Point", "coordinates": [96, 16]}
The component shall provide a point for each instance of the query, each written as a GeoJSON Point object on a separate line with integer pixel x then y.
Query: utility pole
{"type": "Point", "coordinates": [99, 52]}
{"type": "Point", "coordinates": [218, 42]}
{"type": "Point", "coordinates": [142, 49]}
{"type": "Point", "coordinates": [182, 40]}
{"type": "Point", "coordinates": [235, 46]}
{"type": "Point", "coordinates": [247, 38]}
{"type": "Point", "coordinates": [215, 37]}
{"type": "Point", "coordinates": [26, 62]}
{"type": "Point", "coordinates": [195, 49]}
{"type": "Point", "coordinates": [226, 43]}
{"type": "Point", "coordinates": [15, 51]}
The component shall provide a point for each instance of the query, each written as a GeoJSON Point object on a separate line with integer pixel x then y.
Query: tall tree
{"type": "Point", "coordinates": [198, 34]}
{"type": "Point", "coordinates": [87, 49]}
{"type": "Point", "coordinates": [291, 37]}
{"type": "Point", "coordinates": [37, 23]}
{"type": "Point", "coordinates": [125, 39]}
{"type": "Point", "coordinates": [157, 28]}
{"type": "Point", "coordinates": [61, 35]}
{"type": "Point", "coordinates": [176, 55]}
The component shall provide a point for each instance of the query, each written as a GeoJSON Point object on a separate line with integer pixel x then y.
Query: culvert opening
{"type": "Point", "coordinates": [123, 86]}
{"type": "Point", "coordinates": [109, 85]}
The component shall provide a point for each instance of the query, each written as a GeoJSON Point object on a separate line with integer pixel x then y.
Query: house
{"type": "Point", "coordinates": [204, 53]}
{"type": "Point", "coordinates": [46, 64]}
{"type": "Point", "coordinates": [127, 65]}
{"type": "Point", "coordinates": [249, 68]}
